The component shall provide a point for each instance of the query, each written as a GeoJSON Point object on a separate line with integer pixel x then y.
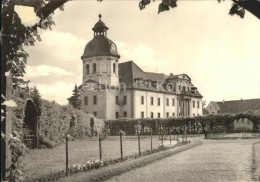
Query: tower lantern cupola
{"type": "Point", "coordinates": [100, 57]}
{"type": "Point", "coordinates": [100, 45]}
{"type": "Point", "coordinates": [100, 28]}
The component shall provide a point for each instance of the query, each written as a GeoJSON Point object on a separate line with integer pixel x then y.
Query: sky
{"type": "Point", "coordinates": [221, 53]}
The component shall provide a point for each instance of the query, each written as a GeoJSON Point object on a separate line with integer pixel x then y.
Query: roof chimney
{"type": "Point", "coordinates": [223, 101]}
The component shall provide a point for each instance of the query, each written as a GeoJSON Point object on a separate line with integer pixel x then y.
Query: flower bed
{"type": "Point", "coordinates": [96, 164]}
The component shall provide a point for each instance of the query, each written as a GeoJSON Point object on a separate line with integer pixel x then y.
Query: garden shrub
{"type": "Point", "coordinates": [56, 121]}
{"type": "Point", "coordinates": [53, 124]}
{"type": "Point", "coordinates": [198, 124]}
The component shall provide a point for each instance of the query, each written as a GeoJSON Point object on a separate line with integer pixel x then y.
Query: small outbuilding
{"type": "Point", "coordinates": [235, 107]}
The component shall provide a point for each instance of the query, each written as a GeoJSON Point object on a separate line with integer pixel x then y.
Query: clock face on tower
{"type": "Point", "coordinates": [113, 47]}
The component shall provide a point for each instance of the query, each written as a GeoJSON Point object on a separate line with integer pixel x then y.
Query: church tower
{"type": "Point", "coordinates": [100, 58]}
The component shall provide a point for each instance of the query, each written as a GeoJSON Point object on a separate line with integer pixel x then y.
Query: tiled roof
{"type": "Point", "coordinates": [239, 106]}
{"type": "Point", "coordinates": [205, 111]}
{"type": "Point", "coordinates": [129, 71]}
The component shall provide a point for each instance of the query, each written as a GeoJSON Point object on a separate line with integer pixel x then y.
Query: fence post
{"type": "Point", "coordinates": [170, 135]}
{"type": "Point", "coordinates": [162, 135]}
{"type": "Point", "coordinates": [160, 131]}
{"type": "Point", "coordinates": [121, 146]}
{"type": "Point", "coordinates": [186, 133]}
{"type": "Point", "coordinates": [151, 132]}
{"type": "Point", "coordinates": [139, 148]}
{"type": "Point", "coordinates": [100, 147]}
{"type": "Point", "coordinates": [182, 134]}
{"type": "Point", "coordinates": [67, 154]}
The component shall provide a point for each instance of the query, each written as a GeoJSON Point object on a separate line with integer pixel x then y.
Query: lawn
{"type": "Point", "coordinates": [40, 162]}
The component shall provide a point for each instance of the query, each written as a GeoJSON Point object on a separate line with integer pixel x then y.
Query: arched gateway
{"type": "Point", "coordinates": [31, 124]}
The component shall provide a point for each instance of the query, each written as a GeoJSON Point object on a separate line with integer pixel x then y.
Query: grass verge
{"type": "Point", "coordinates": [117, 169]}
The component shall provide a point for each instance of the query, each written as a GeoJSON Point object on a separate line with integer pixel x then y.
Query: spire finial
{"type": "Point", "coordinates": [100, 16]}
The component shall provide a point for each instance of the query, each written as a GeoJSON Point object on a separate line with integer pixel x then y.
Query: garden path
{"type": "Point", "coordinates": [215, 160]}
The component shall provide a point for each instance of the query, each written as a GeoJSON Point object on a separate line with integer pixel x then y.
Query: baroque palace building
{"type": "Point", "coordinates": [113, 90]}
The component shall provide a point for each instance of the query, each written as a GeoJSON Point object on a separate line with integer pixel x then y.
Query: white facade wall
{"type": "Point", "coordinates": [196, 111]}
{"type": "Point", "coordinates": [104, 70]}
{"type": "Point", "coordinates": [111, 107]}
{"type": "Point", "coordinates": [172, 110]}
{"type": "Point", "coordinates": [213, 108]}
{"type": "Point", "coordinates": [243, 124]}
{"type": "Point", "coordinates": [107, 107]}
{"type": "Point", "coordinates": [99, 108]}
{"type": "Point", "coordinates": [148, 108]}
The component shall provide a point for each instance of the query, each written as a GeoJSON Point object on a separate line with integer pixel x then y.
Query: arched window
{"type": "Point", "coordinates": [94, 68]}
{"type": "Point", "coordinates": [114, 67]}
{"type": "Point", "coordinates": [87, 69]}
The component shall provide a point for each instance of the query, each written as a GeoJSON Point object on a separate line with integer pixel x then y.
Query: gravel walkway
{"type": "Point", "coordinates": [215, 160]}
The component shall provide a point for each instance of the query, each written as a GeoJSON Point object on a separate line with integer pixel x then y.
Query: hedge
{"type": "Point", "coordinates": [56, 121]}
{"type": "Point", "coordinates": [198, 123]}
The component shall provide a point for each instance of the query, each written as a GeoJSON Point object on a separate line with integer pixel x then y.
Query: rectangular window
{"type": "Point", "coordinates": [167, 102]}
{"type": "Point", "coordinates": [86, 100]}
{"type": "Point", "coordinates": [173, 114]}
{"type": "Point", "coordinates": [117, 100]}
{"type": "Point", "coordinates": [142, 100]}
{"type": "Point", "coordinates": [95, 113]}
{"type": "Point", "coordinates": [198, 104]}
{"type": "Point", "coordinates": [151, 100]}
{"type": "Point", "coordinates": [167, 115]}
{"type": "Point", "coordinates": [159, 101]}
{"type": "Point", "coordinates": [125, 100]}
{"type": "Point", "coordinates": [117, 115]}
{"type": "Point", "coordinates": [95, 100]}
{"type": "Point", "coordinates": [125, 114]}
{"type": "Point", "coordinates": [142, 114]}
{"type": "Point", "coordinates": [173, 102]}
{"type": "Point", "coordinates": [159, 115]}
{"type": "Point", "coordinates": [151, 114]}
{"type": "Point", "coordinates": [193, 103]}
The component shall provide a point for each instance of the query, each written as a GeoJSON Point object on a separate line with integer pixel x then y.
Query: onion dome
{"type": "Point", "coordinates": [100, 45]}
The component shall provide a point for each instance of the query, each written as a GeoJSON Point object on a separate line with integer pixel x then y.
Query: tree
{"type": "Point", "coordinates": [238, 7]}
{"type": "Point", "coordinates": [15, 36]}
{"type": "Point", "coordinates": [75, 100]}
{"type": "Point", "coordinates": [204, 103]}
{"type": "Point", "coordinates": [92, 124]}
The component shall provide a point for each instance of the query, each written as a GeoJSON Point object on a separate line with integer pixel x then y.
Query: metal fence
{"type": "Point", "coordinates": [45, 162]}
